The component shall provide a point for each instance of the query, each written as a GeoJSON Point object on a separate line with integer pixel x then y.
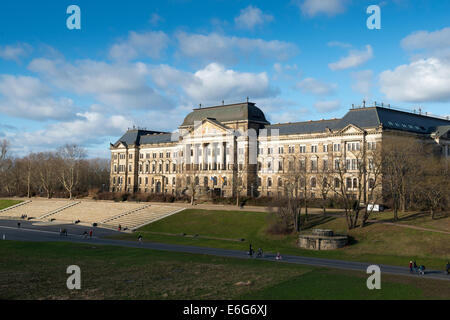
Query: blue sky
{"type": "Point", "coordinates": [148, 63]}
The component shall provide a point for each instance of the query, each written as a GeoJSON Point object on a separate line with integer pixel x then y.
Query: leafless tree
{"type": "Point", "coordinates": [398, 166]}
{"type": "Point", "coordinates": [47, 164]}
{"type": "Point", "coordinates": [433, 186]}
{"type": "Point", "coordinates": [373, 183]}
{"type": "Point", "coordinates": [70, 156]}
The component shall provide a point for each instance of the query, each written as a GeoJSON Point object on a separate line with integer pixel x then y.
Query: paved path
{"type": "Point", "coordinates": [34, 233]}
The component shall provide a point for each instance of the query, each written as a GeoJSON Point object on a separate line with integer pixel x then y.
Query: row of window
{"type": "Point", "coordinates": [350, 183]}
{"type": "Point", "coordinates": [350, 164]}
{"type": "Point", "coordinates": [351, 146]}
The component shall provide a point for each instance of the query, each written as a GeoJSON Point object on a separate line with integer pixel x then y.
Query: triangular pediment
{"type": "Point", "coordinates": [350, 129]}
{"type": "Point", "coordinates": [442, 132]}
{"type": "Point", "coordinates": [120, 145]}
{"type": "Point", "coordinates": [210, 127]}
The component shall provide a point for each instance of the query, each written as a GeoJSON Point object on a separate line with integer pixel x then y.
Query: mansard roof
{"type": "Point", "coordinates": [231, 112]}
{"type": "Point", "coordinates": [364, 118]}
{"type": "Point", "coordinates": [139, 136]}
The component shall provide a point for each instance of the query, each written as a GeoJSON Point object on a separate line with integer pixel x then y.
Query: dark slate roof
{"type": "Point", "coordinates": [232, 112]}
{"type": "Point", "coordinates": [367, 118]}
{"type": "Point", "coordinates": [139, 136]}
{"type": "Point", "coordinates": [407, 121]}
{"type": "Point", "coordinates": [156, 138]}
{"type": "Point", "coordinates": [303, 127]}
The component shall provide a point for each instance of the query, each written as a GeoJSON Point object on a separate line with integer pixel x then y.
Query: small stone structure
{"type": "Point", "coordinates": [321, 239]}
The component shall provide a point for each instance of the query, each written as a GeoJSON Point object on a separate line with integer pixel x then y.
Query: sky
{"type": "Point", "coordinates": [149, 63]}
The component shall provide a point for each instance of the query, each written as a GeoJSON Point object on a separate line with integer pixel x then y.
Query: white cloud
{"type": "Point", "coordinates": [426, 44]}
{"type": "Point", "coordinates": [148, 44]}
{"type": "Point", "coordinates": [15, 52]}
{"type": "Point", "coordinates": [339, 44]}
{"type": "Point", "coordinates": [425, 80]}
{"type": "Point", "coordinates": [214, 83]}
{"type": "Point", "coordinates": [224, 49]}
{"type": "Point", "coordinates": [354, 59]}
{"type": "Point", "coordinates": [363, 82]}
{"type": "Point", "coordinates": [316, 87]}
{"type": "Point", "coordinates": [327, 105]}
{"type": "Point", "coordinates": [427, 40]}
{"type": "Point", "coordinates": [89, 128]}
{"type": "Point", "coordinates": [121, 86]}
{"type": "Point", "coordinates": [251, 17]}
{"type": "Point", "coordinates": [313, 8]}
{"type": "Point", "coordinates": [155, 18]}
{"type": "Point", "coordinates": [28, 97]}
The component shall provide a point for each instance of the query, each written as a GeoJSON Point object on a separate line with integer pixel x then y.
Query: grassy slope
{"type": "Point", "coordinates": [38, 271]}
{"type": "Point", "coordinates": [5, 203]}
{"type": "Point", "coordinates": [420, 219]}
{"type": "Point", "coordinates": [375, 243]}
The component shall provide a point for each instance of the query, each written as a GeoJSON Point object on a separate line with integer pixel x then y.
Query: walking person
{"type": "Point", "coordinates": [415, 266]}
{"type": "Point", "coordinates": [140, 239]}
{"type": "Point", "coordinates": [422, 269]}
{"type": "Point", "coordinates": [410, 266]}
{"type": "Point", "coordinates": [18, 225]}
{"type": "Point", "coordinates": [447, 268]}
{"type": "Point", "coordinates": [260, 253]}
{"type": "Point", "coordinates": [250, 251]}
{"type": "Point", "coordinates": [278, 257]}
{"type": "Point", "coordinates": [90, 234]}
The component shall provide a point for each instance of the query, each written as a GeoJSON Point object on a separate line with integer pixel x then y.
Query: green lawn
{"type": "Point", "coordinates": [5, 203]}
{"type": "Point", "coordinates": [37, 270]}
{"type": "Point", "coordinates": [375, 243]}
{"type": "Point", "coordinates": [417, 218]}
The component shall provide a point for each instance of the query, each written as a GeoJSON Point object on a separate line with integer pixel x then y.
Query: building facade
{"type": "Point", "coordinates": [230, 149]}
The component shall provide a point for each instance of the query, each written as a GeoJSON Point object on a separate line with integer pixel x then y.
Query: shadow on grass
{"type": "Point", "coordinates": [313, 221]}
{"type": "Point", "coordinates": [351, 241]}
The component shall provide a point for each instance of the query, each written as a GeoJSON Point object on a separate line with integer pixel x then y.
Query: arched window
{"type": "Point", "coordinates": [313, 182]}
{"type": "Point", "coordinates": [355, 183]}
{"type": "Point", "coordinates": [280, 182]}
{"type": "Point", "coordinates": [269, 182]}
{"type": "Point", "coordinates": [324, 182]}
{"type": "Point", "coordinates": [337, 183]}
{"type": "Point", "coordinates": [349, 183]}
{"type": "Point", "coordinates": [205, 181]}
{"type": "Point", "coordinates": [196, 181]}
{"type": "Point", "coordinates": [371, 183]}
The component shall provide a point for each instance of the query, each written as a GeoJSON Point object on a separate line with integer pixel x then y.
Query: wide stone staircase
{"type": "Point", "coordinates": [35, 208]}
{"type": "Point", "coordinates": [137, 218]}
{"type": "Point", "coordinates": [94, 211]}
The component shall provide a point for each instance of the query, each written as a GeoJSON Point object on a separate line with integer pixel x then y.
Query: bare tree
{"type": "Point", "coordinates": [325, 180]}
{"type": "Point", "coordinates": [432, 187]}
{"type": "Point", "coordinates": [399, 157]}
{"type": "Point", "coordinates": [348, 185]}
{"type": "Point", "coordinates": [69, 169]}
{"type": "Point", "coordinates": [192, 181]}
{"type": "Point", "coordinates": [373, 183]}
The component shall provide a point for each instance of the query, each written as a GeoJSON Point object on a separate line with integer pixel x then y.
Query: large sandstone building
{"type": "Point", "coordinates": [229, 149]}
